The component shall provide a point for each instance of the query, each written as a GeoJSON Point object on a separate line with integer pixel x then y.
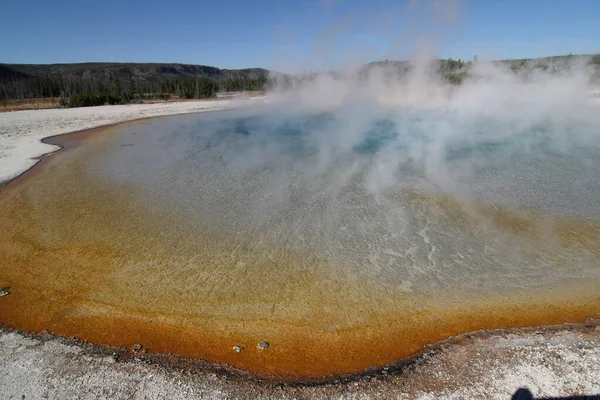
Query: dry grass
{"type": "Point", "coordinates": [29, 104]}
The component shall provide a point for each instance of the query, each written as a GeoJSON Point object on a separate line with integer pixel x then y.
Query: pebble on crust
{"type": "Point", "coordinates": [263, 345]}
{"type": "Point", "coordinates": [5, 291]}
{"type": "Point", "coordinates": [237, 349]}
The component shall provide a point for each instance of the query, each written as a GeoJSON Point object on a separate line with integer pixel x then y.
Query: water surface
{"type": "Point", "coordinates": [345, 241]}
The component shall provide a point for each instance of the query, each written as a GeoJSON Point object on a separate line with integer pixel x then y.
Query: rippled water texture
{"type": "Point", "coordinates": [343, 241]}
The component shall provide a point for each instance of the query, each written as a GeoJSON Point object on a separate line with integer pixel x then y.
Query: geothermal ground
{"type": "Point", "coordinates": [485, 366]}
{"type": "Point", "coordinates": [550, 363]}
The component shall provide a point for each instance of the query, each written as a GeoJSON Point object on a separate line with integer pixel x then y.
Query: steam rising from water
{"type": "Point", "coordinates": [405, 180]}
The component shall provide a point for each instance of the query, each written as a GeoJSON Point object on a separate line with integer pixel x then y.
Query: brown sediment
{"type": "Point", "coordinates": [85, 257]}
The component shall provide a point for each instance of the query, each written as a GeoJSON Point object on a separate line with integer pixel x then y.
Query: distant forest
{"type": "Point", "coordinates": [88, 84]}
{"type": "Point", "coordinates": [458, 71]}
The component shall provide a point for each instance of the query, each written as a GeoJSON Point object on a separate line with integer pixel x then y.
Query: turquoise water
{"type": "Point", "coordinates": [536, 165]}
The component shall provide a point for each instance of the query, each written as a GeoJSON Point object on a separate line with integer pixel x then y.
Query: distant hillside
{"type": "Point", "coordinates": [149, 71]}
{"type": "Point", "coordinates": [455, 71]}
{"type": "Point", "coordinates": [87, 84]}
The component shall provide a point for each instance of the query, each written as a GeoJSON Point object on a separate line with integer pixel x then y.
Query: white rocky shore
{"type": "Point", "coordinates": [548, 362]}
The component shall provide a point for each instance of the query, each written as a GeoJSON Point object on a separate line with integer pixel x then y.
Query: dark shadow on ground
{"type": "Point", "coordinates": [525, 394]}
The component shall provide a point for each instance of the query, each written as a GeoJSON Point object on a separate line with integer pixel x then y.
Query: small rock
{"type": "Point", "coordinates": [137, 349]}
{"type": "Point", "coordinates": [263, 345]}
{"type": "Point", "coordinates": [237, 349]}
{"type": "Point", "coordinates": [5, 291]}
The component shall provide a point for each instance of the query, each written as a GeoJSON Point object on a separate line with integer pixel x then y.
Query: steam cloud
{"type": "Point", "coordinates": [375, 167]}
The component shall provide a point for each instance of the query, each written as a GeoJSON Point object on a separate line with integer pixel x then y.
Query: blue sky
{"type": "Point", "coordinates": [292, 35]}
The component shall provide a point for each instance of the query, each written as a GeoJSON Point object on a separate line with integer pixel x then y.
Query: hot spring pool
{"type": "Point", "coordinates": [345, 239]}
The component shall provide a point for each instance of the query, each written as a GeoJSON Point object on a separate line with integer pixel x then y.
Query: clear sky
{"type": "Point", "coordinates": [292, 35]}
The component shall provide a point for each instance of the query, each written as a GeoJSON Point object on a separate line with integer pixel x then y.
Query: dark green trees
{"type": "Point", "coordinates": [88, 86]}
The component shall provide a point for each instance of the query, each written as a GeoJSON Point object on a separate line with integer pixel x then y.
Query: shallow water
{"type": "Point", "coordinates": [344, 241]}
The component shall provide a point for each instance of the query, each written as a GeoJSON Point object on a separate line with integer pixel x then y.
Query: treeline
{"type": "Point", "coordinates": [82, 91]}
{"type": "Point", "coordinates": [88, 84]}
{"type": "Point", "coordinates": [454, 71]}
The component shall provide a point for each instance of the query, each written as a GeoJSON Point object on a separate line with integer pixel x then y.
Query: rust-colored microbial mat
{"type": "Point", "coordinates": [190, 236]}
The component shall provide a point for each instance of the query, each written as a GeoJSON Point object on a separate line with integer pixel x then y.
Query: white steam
{"type": "Point", "coordinates": [366, 166]}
